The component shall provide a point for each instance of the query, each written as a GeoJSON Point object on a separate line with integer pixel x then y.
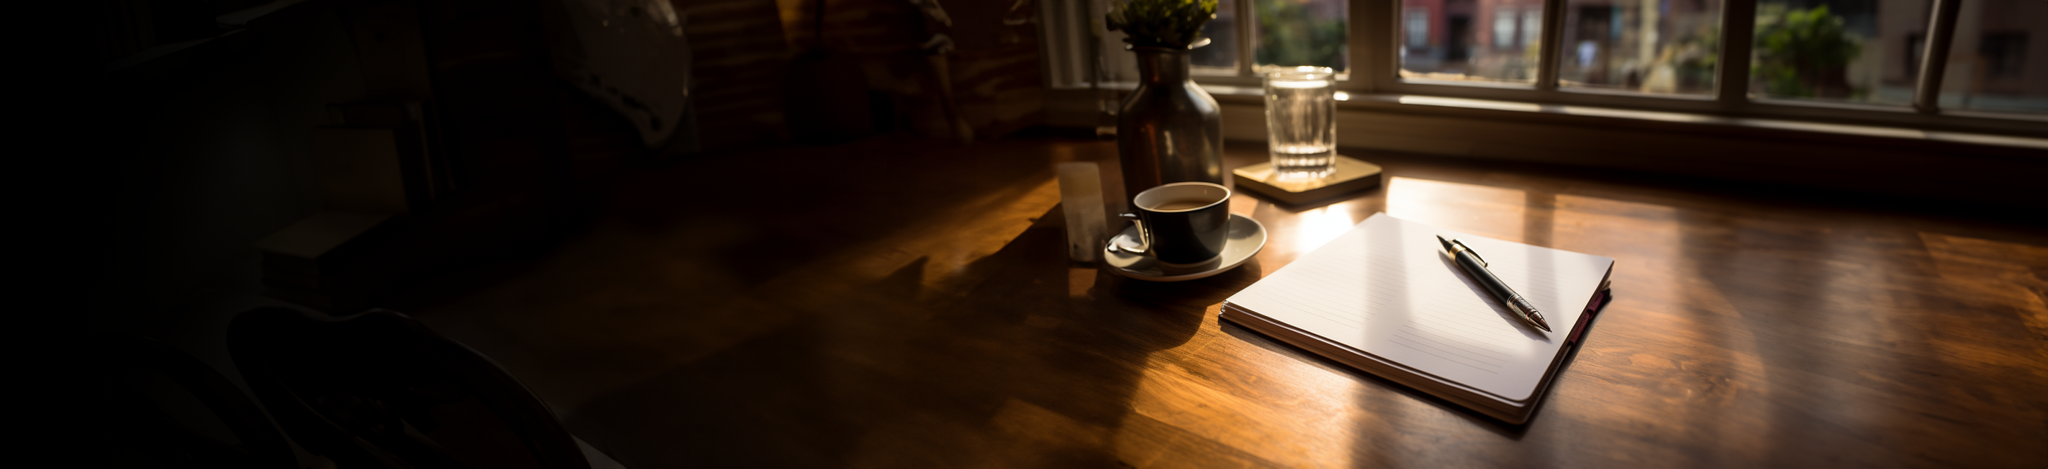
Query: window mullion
{"type": "Point", "coordinates": [1934, 58]}
{"type": "Point", "coordinates": [1553, 45]}
{"type": "Point", "coordinates": [1738, 35]}
{"type": "Point", "coordinates": [1375, 53]}
{"type": "Point", "coordinates": [1246, 28]}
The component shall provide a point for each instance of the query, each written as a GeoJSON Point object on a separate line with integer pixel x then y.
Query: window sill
{"type": "Point", "coordinates": [1977, 167]}
{"type": "Point", "coordinates": [1395, 102]}
{"type": "Point", "coordinates": [1563, 113]}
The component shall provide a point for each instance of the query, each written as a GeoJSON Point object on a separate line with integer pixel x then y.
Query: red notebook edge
{"type": "Point", "coordinates": [1593, 307]}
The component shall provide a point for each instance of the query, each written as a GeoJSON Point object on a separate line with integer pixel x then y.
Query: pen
{"type": "Point", "coordinates": [1469, 260]}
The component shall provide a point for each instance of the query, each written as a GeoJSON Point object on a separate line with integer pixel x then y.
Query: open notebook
{"type": "Point", "coordinates": [1385, 299]}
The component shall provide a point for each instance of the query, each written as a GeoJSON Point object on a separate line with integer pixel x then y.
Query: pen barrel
{"type": "Point", "coordinates": [1493, 285]}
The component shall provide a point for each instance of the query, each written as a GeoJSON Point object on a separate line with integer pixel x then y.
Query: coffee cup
{"type": "Point", "coordinates": [1183, 223]}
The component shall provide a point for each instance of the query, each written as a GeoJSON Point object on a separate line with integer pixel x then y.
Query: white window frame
{"type": "Point", "coordinates": [1376, 42]}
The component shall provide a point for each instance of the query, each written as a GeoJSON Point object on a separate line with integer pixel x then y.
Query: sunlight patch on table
{"type": "Point", "coordinates": [1002, 214]}
{"type": "Point", "coordinates": [1317, 227]}
{"type": "Point", "coordinates": [1172, 395]}
{"type": "Point", "coordinates": [2014, 285]}
{"type": "Point", "coordinates": [1647, 242]}
{"type": "Point", "coordinates": [1482, 210]}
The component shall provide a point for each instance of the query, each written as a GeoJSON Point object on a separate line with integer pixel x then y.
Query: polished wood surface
{"type": "Point", "coordinates": [898, 303]}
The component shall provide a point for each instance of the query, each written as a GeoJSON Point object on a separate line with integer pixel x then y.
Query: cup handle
{"type": "Point", "coordinates": [1144, 238]}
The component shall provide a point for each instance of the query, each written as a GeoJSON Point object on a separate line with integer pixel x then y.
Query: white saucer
{"type": "Point", "coordinates": [1247, 237]}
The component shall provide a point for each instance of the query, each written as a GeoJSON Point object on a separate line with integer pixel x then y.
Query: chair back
{"type": "Point", "coordinates": [146, 429]}
{"type": "Point", "coordinates": [379, 389]}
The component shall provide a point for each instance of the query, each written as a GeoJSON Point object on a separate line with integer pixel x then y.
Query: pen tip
{"type": "Point", "coordinates": [1446, 243]}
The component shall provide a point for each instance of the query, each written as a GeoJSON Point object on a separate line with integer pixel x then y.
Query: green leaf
{"type": "Point", "coordinates": [1160, 23]}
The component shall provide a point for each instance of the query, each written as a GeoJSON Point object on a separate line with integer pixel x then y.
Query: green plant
{"type": "Point", "coordinates": [1802, 53]}
{"type": "Point", "coordinates": [1160, 23]}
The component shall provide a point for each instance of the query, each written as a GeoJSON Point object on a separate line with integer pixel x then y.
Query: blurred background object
{"type": "Point", "coordinates": [633, 56]}
{"type": "Point", "coordinates": [1296, 33]}
{"type": "Point", "coordinates": [1471, 40]}
{"type": "Point", "coordinates": [827, 98]}
{"type": "Point", "coordinates": [737, 50]}
{"type": "Point", "coordinates": [1806, 52]}
{"type": "Point", "coordinates": [909, 55]}
{"type": "Point", "coordinates": [1648, 47]}
{"type": "Point", "coordinates": [1871, 51]}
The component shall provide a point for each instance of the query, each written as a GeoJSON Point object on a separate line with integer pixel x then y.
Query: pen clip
{"type": "Point", "coordinates": [1475, 254]}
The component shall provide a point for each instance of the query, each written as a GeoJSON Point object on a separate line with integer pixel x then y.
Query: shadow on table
{"type": "Point", "coordinates": [1019, 357]}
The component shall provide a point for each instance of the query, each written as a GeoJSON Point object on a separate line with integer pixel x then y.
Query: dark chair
{"type": "Point", "coordinates": [379, 389]}
{"type": "Point", "coordinates": [143, 428]}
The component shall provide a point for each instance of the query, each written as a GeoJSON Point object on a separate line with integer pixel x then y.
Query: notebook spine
{"type": "Point", "coordinates": [1592, 308]}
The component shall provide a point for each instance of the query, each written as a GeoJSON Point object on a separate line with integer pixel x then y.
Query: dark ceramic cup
{"type": "Point", "coordinates": [1183, 223]}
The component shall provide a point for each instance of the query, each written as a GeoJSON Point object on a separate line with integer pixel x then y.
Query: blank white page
{"type": "Point", "coordinates": [1386, 288]}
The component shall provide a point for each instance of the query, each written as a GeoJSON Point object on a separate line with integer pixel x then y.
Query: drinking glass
{"type": "Point", "coordinates": [1301, 130]}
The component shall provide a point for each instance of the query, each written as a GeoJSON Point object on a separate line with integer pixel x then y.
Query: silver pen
{"type": "Point", "coordinates": [1469, 260]}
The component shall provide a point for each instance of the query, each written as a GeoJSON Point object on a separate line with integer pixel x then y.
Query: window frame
{"type": "Point", "coordinates": [1376, 38]}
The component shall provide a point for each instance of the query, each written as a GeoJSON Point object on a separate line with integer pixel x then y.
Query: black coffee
{"type": "Point", "coordinates": [1178, 205]}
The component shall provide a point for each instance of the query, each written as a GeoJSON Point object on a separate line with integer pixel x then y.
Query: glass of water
{"type": "Point", "coordinates": [1301, 130]}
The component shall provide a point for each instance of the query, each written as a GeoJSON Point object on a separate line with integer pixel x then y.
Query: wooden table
{"type": "Point", "coordinates": [897, 303]}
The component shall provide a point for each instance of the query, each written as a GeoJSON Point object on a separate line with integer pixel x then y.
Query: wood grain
{"type": "Point", "coordinates": [901, 303]}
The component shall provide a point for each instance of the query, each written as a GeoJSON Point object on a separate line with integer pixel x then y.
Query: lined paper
{"type": "Point", "coordinates": [1386, 289]}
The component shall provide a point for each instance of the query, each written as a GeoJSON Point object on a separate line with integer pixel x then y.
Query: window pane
{"type": "Point", "coordinates": [1222, 33]}
{"type": "Point", "coordinates": [1492, 40]}
{"type": "Point", "coordinates": [1295, 33]}
{"type": "Point", "coordinates": [1649, 46]}
{"type": "Point", "coordinates": [1857, 51]}
{"type": "Point", "coordinates": [1998, 59]}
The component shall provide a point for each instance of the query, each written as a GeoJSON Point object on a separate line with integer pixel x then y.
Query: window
{"type": "Point", "coordinates": [1660, 47]}
{"type": "Point", "coordinates": [1458, 52]}
{"type": "Point", "coordinates": [1997, 61]}
{"type": "Point", "coordinates": [1221, 53]}
{"type": "Point", "coordinates": [1833, 50]}
{"type": "Point", "coordinates": [1828, 60]}
{"type": "Point", "coordinates": [1295, 33]}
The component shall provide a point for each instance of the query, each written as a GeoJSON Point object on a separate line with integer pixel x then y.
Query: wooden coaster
{"type": "Point", "coordinates": [1350, 176]}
